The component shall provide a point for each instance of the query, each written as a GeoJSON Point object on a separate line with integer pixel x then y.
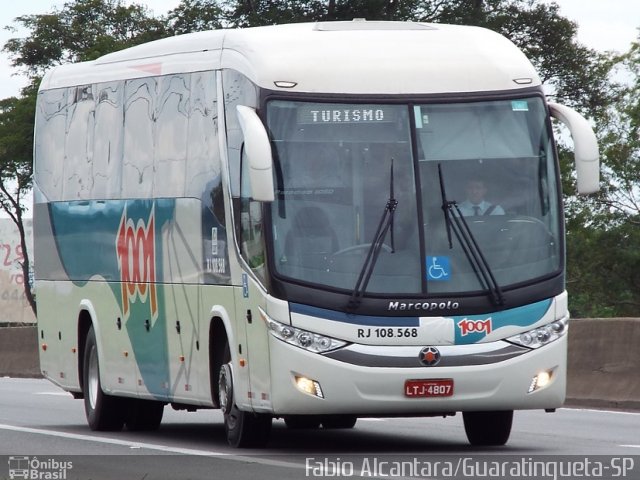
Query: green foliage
{"type": "Point", "coordinates": [604, 271]}
{"type": "Point", "coordinates": [373, 10]}
{"type": "Point", "coordinates": [620, 144]}
{"type": "Point", "coordinates": [16, 142]}
{"type": "Point", "coordinates": [82, 30]}
{"type": "Point", "coordinates": [253, 13]}
{"type": "Point", "coordinates": [16, 131]}
{"type": "Point", "coordinates": [603, 241]}
{"type": "Point", "coordinates": [195, 16]}
{"type": "Point", "coordinates": [16, 160]}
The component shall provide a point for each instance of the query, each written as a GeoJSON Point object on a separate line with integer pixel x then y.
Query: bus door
{"type": "Point", "coordinates": [253, 352]}
{"type": "Point", "coordinates": [250, 296]}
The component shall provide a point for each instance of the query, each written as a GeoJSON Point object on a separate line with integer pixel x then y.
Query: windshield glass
{"type": "Point", "coordinates": [333, 161]}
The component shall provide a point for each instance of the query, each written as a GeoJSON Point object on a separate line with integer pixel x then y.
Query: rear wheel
{"type": "Point", "coordinates": [104, 412]}
{"type": "Point", "coordinates": [243, 429]}
{"type": "Point", "coordinates": [143, 415]}
{"type": "Point", "coordinates": [488, 428]}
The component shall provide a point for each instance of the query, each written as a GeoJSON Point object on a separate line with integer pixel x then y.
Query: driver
{"type": "Point", "coordinates": [476, 203]}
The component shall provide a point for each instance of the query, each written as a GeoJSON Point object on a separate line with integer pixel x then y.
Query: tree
{"type": "Point", "coordinates": [16, 160]}
{"type": "Point", "coordinates": [603, 253]}
{"type": "Point", "coordinates": [604, 274]}
{"type": "Point", "coordinates": [195, 16]}
{"type": "Point", "coordinates": [621, 144]}
{"type": "Point", "coordinates": [82, 30]}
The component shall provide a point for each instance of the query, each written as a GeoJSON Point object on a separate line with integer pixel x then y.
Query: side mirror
{"type": "Point", "coordinates": [585, 149]}
{"type": "Point", "coordinates": [258, 150]}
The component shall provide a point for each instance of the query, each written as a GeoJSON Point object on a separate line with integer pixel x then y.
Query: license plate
{"type": "Point", "coordinates": [429, 388]}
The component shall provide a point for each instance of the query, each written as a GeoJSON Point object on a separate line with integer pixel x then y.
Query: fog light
{"type": "Point", "coordinates": [541, 380]}
{"type": "Point", "coordinates": [309, 386]}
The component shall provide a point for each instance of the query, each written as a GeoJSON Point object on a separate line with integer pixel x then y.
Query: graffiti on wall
{"type": "Point", "coordinates": [14, 307]}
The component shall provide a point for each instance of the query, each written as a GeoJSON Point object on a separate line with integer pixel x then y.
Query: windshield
{"type": "Point", "coordinates": [334, 181]}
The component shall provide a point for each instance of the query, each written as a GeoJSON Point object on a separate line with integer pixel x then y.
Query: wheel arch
{"type": "Point", "coordinates": [86, 320]}
{"type": "Point", "coordinates": [220, 334]}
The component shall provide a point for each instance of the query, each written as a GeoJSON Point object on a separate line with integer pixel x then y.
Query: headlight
{"type": "Point", "coordinates": [304, 339]}
{"type": "Point", "coordinates": [540, 336]}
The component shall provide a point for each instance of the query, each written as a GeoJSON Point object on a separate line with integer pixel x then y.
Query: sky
{"type": "Point", "coordinates": [602, 25]}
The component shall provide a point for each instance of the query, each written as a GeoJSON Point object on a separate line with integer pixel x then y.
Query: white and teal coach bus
{"type": "Point", "coordinates": [271, 221]}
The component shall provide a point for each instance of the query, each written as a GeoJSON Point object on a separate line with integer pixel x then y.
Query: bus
{"type": "Point", "coordinates": [270, 221]}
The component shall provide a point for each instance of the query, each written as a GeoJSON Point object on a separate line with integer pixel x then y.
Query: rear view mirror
{"type": "Point", "coordinates": [585, 147]}
{"type": "Point", "coordinates": [258, 150]}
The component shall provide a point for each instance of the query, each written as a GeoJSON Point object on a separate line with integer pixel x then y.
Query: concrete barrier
{"type": "Point", "coordinates": [603, 360]}
{"type": "Point", "coordinates": [19, 352]}
{"type": "Point", "coordinates": [604, 363]}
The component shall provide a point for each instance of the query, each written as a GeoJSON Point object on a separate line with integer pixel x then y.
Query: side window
{"type": "Point", "coordinates": [138, 142]}
{"type": "Point", "coordinates": [49, 142]}
{"type": "Point", "coordinates": [78, 149]}
{"type": "Point", "coordinates": [250, 224]}
{"type": "Point", "coordinates": [108, 141]}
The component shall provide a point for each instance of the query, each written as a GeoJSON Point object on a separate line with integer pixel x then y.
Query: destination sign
{"type": "Point", "coordinates": [333, 114]}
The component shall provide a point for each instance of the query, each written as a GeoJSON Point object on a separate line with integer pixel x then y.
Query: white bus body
{"type": "Point", "coordinates": [205, 206]}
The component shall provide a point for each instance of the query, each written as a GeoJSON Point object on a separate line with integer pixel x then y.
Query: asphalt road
{"type": "Point", "coordinates": [39, 421]}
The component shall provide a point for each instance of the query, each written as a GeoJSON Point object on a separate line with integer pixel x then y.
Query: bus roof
{"type": "Point", "coordinates": [357, 57]}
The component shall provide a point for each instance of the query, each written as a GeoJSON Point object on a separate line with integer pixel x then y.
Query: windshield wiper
{"type": "Point", "coordinates": [457, 224]}
{"type": "Point", "coordinates": [385, 225]}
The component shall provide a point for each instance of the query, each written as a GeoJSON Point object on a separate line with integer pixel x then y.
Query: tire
{"type": "Point", "coordinates": [243, 429]}
{"type": "Point", "coordinates": [104, 412]}
{"type": "Point", "coordinates": [302, 422]}
{"type": "Point", "coordinates": [339, 421]}
{"type": "Point", "coordinates": [488, 428]}
{"type": "Point", "coordinates": [143, 415]}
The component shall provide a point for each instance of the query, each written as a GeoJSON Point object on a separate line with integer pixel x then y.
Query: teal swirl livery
{"type": "Point", "coordinates": [126, 249]}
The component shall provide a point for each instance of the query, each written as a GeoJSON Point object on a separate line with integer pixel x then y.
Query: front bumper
{"type": "Point", "coordinates": [355, 388]}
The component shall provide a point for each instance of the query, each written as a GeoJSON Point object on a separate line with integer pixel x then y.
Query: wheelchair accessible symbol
{"type": "Point", "coordinates": [438, 269]}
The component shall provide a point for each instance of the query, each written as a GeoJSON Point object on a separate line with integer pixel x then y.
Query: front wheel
{"type": "Point", "coordinates": [243, 429]}
{"type": "Point", "coordinates": [104, 412]}
{"type": "Point", "coordinates": [488, 428]}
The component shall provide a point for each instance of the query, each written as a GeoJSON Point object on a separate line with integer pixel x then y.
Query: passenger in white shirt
{"type": "Point", "coordinates": [475, 204]}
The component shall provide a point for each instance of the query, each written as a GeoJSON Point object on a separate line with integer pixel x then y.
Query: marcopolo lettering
{"type": "Point", "coordinates": [430, 306]}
